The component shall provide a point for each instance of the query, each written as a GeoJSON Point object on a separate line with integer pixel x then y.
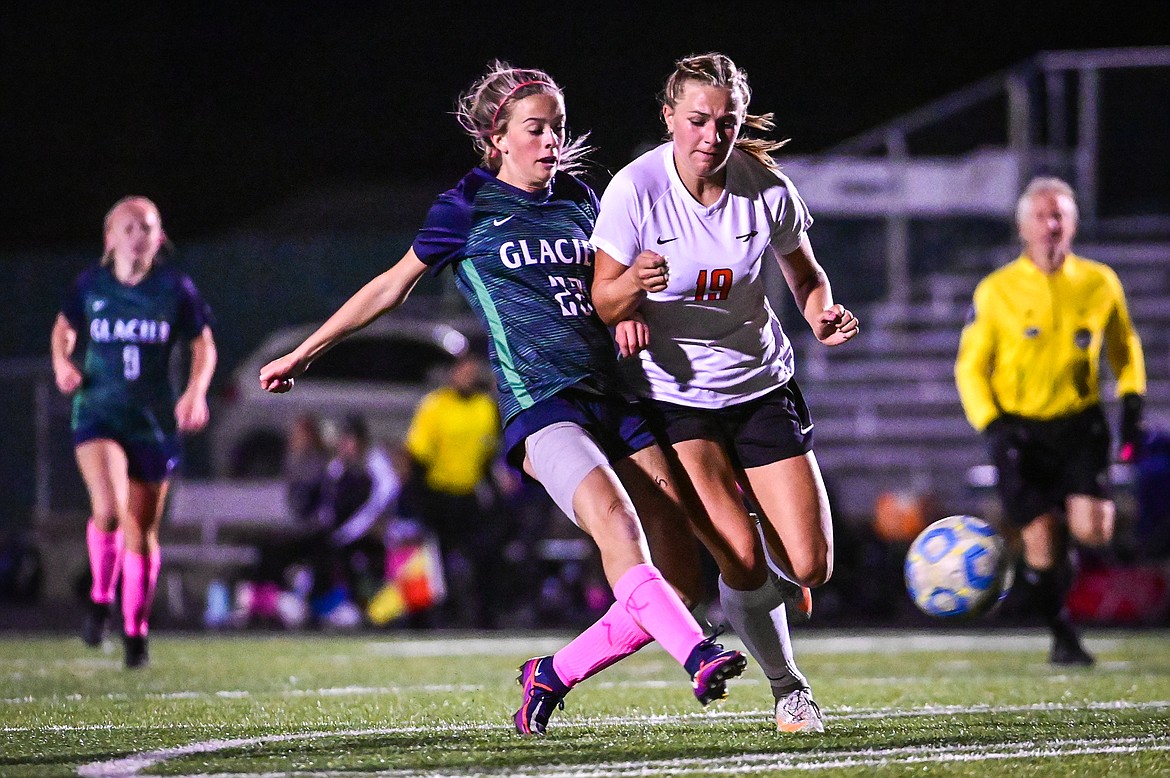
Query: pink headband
{"type": "Point", "coordinates": [513, 91]}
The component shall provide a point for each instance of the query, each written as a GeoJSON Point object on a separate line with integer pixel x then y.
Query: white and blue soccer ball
{"type": "Point", "coordinates": [957, 568]}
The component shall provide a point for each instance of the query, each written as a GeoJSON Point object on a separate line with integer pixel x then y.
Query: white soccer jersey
{"type": "Point", "coordinates": [714, 340]}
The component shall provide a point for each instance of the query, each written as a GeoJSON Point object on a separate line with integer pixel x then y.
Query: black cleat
{"type": "Point", "coordinates": [136, 653]}
{"type": "Point", "coordinates": [1067, 650]}
{"type": "Point", "coordinates": [97, 624]}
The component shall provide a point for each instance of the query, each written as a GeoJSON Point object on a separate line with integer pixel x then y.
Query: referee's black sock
{"type": "Point", "coordinates": [1049, 589]}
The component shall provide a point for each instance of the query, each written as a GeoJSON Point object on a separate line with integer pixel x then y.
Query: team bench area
{"type": "Point", "coordinates": [213, 530]}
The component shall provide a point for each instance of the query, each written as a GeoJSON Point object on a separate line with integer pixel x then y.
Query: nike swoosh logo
{"type": "Point", "coordinates": [745, 238]}
{"type": "Point", "coordinates": [662, 240]}
{"type": "Point", "coordinates": [806, 430]}
{"type": "Point", "coordinates": [498, 222]}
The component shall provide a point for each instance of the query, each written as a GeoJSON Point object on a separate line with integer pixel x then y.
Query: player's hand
{"type": "Point", "coordinates": [632, 335]}
{"type": "Point", "coordinates": [651, 271]}
{"type": "Point", "coordinates": [836, 325]}
{"type": "Point", "coordinates": [191, 412]}
{"type": "Point", "coordinates": [67, 376]}
{"type": "Point", "coordinates": [277, 376]}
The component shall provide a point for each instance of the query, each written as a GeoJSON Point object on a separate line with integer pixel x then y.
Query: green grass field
{"type": "Point", "coordinates": [960, 703]}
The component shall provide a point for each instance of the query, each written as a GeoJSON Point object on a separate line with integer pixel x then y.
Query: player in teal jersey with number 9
{"type": "Point", "coordinates": [131, 311]}
{"type": "Point", "coordinates": [515, 231]}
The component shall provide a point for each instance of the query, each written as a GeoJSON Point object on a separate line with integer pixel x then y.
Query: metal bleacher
{"type": "Point", "coordinates": [887, 411]}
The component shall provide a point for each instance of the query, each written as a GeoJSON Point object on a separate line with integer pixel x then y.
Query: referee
{"type": "Point", "coordinates": [1028, 377]}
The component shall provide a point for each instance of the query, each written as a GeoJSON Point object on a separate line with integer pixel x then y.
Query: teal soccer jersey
{"type": "Point", "coordinates": [129, 334]}
{"type": "Point", "coordinates": [524, 263]}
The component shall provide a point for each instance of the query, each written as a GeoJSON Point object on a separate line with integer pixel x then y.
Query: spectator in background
{"type": "Point", "coordinates": [1028, 377]}
{"type": "Point", "coordinates": [303, 468]}
{"type": "Point", "coordinates": [360, 487]}
{"type": "Point", "coordinates": [452, 441]}
{"type": "Point", "coordinates": [132, 312]}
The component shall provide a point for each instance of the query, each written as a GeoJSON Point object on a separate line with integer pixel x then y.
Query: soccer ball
{"type": "Point", "coordinates": [958, 568]}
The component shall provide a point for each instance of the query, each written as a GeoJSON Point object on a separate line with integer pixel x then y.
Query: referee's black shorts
{"type": "Point", "coordinates": [1041, 462]}
{"type": "Point", "coordinates": [758, 432]}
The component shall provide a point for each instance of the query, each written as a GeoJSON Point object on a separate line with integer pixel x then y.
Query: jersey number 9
{"type": "Point", "coordinates": [131, 362]}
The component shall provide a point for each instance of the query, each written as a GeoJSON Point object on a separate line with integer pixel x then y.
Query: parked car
{"type": "Point", "coordinates": [380, 372]}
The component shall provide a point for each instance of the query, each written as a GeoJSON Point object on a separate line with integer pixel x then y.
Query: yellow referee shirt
{"type": "Point", "coordinates": [1032, 343]}
{"type": "Point", "coordinates": [455, 439]}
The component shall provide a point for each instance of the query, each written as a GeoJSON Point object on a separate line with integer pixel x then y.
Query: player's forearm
{"type": "Point", "coordinates": [204, 357]}
{"type": "Point", "coordinates": [380, 295]}
{"type": "Point", "coordinates": [807, 281]}
{"type": "Point", "coordinates": [62, 341]}
{"type": "Point", "coordinates": [814, 295]}
{"type": "Point", "coordinates": [617, 298]}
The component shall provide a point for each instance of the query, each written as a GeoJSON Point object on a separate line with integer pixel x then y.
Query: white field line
{"type": "Point", "coordinates": [770, 762]}
{"type": "Point", "coordinates": [741, 765]}
{"type": "Point", "coordinates": [133, 765]}
{"type": "Point", "coordinates": [819, 643]}
{"type": "Point", "coordinates": [407, 689]}
{"type": "Point", "coordinates": [239, 694]}
{"type": "Point", "coordinates": [842, 713]}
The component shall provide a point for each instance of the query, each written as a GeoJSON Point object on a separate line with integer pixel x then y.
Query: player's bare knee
{"type": "Point", "coordinates": [621, 521]}
{"type": "Point", "coordinates": [744, 580]}
{"type": "Point", "coordinates": [1096, 536]}
{"type": "Point", "coordinates": [813, 572]}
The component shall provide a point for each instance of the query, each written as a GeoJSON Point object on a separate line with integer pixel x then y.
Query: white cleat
{"type": "Point", "coordinates": [799, 712]}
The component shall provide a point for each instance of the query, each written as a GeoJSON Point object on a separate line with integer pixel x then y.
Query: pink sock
{"type": "Point", "coordinates": [105, 556]}
{"type": "Point", "coordinates": [612, 637]}
{"type": "Point", "coordinates": [139, 578]}
{"type": "Point", "coordinates": [656, 607]}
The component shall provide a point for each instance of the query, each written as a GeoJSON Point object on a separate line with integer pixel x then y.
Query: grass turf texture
{"type": "Point", "coordinates": [896, 703]}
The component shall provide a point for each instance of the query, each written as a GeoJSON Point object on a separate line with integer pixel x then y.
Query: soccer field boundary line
{"type": "Point", "coordinates": [133, 765]}
{"type": "Point", "coordinates": [820, 642]}
{"type": "Point", "coordinates": [845, 713]}
{"type": "Point", "coordinates": [826, 641]}
{"type": "Point", "coordinates": [357, 690]}
{"type": "Point", "coordinates": [736, 765]}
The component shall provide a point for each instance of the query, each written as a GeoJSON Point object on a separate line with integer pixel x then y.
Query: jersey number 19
{"type": "Point", "coordinates": [715, 288]}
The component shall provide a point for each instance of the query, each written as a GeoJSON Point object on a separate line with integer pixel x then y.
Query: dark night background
{"type": "Point", "coordinates": [221, 112]}
{"type": "Point", "coordinates": [293, 147]}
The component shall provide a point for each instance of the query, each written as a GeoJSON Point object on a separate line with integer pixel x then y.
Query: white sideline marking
{"type": "Point", "coordinates": [342, 691]}
{"type": "Point", "coordinates": [127, 767]}
{"type": "Point", "coordinates": [829, 642]}
{"type": "Point", "coordinates": [755, 763]}
{"type": "Point", "coordinates": [239, 694]}
{"type": "Point", "coordinates": [844, 713]}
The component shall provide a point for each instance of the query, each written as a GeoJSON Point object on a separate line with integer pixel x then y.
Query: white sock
{"type": "Point", "coordinates": [759, 619]}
